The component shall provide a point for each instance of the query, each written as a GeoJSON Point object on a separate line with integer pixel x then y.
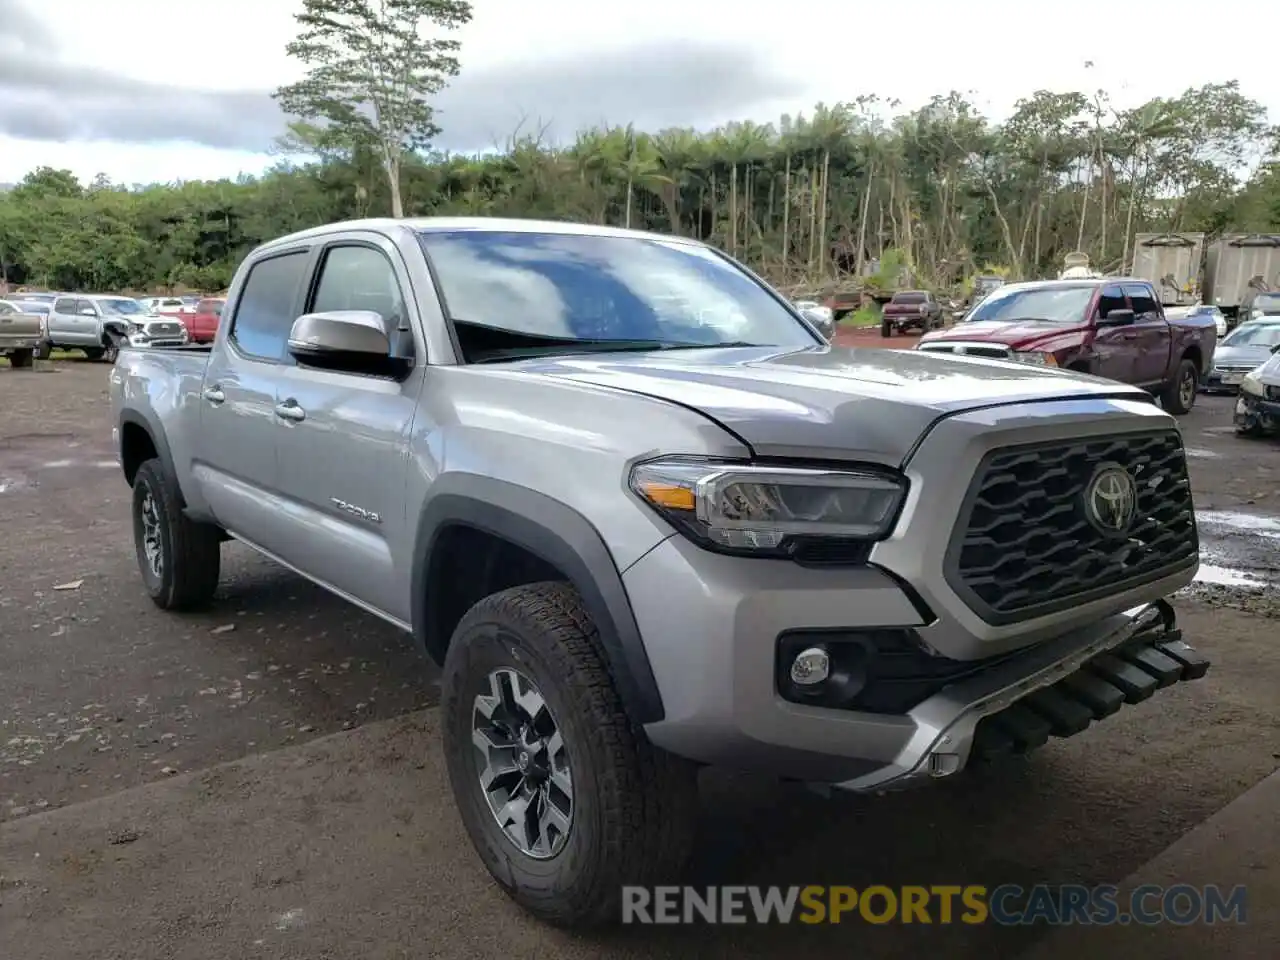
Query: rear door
{"type": "Point", "coordinates": [239, 430]}
{"type": "Point", "coordinates": [62, 321]}
{"type": "Point", "coordinates": [345, 437]}
{"type": "Point", "coordinates": [1115, 347]}
{"type": "Point", "coordinates": [1151, 338]}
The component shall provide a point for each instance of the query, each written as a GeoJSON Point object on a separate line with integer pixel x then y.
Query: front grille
{"type": "Point", "coordinates": [1024, 545]}
{"type": "Point", "coordinates": [164, 329]}
{"type": "Point", "coordinates": [968, 350]}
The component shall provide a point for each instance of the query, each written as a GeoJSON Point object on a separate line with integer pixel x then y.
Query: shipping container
{"type": "Point", "coordinates": [1170, 262]}
{"type": "Point", "coordinates": [1237, 259]}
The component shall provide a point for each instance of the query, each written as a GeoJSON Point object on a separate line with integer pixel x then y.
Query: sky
{"type": "Point", "coordinates": [162, 90]}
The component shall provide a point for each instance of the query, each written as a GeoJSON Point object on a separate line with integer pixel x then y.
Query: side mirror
{"type": "Point", "coordinates": [350, 340]}
{"type": "Point", "coordinates": [88, 312]}
{"type": "Point", "coordinates": [1276, 348]}
{"type": "Point", "coordinates": [1117, 318]}
{"type": "Point", "coordinates": [821, 319]}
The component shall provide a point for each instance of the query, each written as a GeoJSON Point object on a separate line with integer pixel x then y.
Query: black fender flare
{"type": "Point", "coordinates": [562, 537]}
{"type": "Point", "coordinates": [153, 430]}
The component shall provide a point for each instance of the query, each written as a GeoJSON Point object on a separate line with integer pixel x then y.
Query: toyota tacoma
{"type": "Point", "coordinates": [646, 519]}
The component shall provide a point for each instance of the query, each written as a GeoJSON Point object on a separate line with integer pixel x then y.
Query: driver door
{"type": "Point", "coordinates": [1114, 347]}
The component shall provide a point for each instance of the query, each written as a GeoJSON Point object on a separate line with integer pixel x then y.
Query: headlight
{"type": "Point", "coordinates": [765, 511]}
{"type": "Point", "coordinates": [1252, 382]}
{"type": "Point", "coordinates": [1036, 357]}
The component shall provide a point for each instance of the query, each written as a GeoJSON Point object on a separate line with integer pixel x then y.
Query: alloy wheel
{"type": "Point", "coordinates": [525, 775]}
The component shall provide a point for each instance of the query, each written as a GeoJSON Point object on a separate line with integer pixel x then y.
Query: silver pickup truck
{"type": "Point", "coordinates": [646, 518]}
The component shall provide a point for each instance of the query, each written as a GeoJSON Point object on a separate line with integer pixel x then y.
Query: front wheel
{"type": "Point", "coordinates": [44, 351]}
{"type": "Point", "coordinates": [1179, 395]}
{"type": "Point", "coordinates": [111, 350]}
{"type": "Point", "coordinates": [564, 800]}
{"type": "Point", "coordinates": [180, 559]}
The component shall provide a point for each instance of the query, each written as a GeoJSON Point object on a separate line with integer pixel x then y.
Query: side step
{"type": "Point", "coordinates": [1128, 674]}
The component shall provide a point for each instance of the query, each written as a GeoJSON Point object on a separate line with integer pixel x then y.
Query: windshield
{"type": "Point", "coordinates": [1253, 335]}
{"type": "Point", "coordinates": [907, 298]}
{"type": "Point", "coordinates": [125, 308]}
{"type": "Point", "coordinates": [545, 292]}
{"type": "Point", "coordinates": [1054, 304]}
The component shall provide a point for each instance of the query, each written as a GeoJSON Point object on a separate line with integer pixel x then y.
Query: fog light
{"type": "Point", "coordinates": [810, 667]}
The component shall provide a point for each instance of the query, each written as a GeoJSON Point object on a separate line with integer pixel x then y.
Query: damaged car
{"type": "Point", "coordinates": [1258, 405]}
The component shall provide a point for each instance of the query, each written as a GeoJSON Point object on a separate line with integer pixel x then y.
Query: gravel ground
{"type": "Point", "coordinates": [108, 704]}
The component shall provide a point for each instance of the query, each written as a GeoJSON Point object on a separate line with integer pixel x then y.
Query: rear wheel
{"type": "Point", "coordinates": [1179, 394]}
{"type": "Point", "coordinates": [180, 560]}
{"type": "Point", "coordinates": [886, 328]}
{"type": "Point", "coordinates": [21, 359]}
{"type": "Point", "coordinates": [44, 351]}
{"type": "Point", "coordinates": [93, 353]}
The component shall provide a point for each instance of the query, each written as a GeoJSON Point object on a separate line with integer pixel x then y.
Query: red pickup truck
{"type": "Point", "coordinates": [203, 324]}
{"type": "Point", "coordinates": [910, 310]}
{"type": "Point", "coordinates": [1111, 327]}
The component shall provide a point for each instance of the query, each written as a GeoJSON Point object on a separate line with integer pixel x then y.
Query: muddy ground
{"type": "Point", "coordinates": [123, 831]}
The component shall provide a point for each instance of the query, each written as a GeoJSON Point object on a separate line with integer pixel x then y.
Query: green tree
{"type": "Point", "coordinates": [371, 73]}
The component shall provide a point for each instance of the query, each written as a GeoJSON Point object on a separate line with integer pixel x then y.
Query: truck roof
{"type": "Point", "coordinates": [1072, 282]}
{"type": "Point", "coordinates": [390, 225]}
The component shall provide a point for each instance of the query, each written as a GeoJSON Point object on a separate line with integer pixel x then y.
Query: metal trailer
{"type": "Point", "coordinates": [1236, 260]}
{"type": "Point", "coordinates": [1171, 263]}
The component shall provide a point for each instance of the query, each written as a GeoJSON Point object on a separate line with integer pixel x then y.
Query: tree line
{"type": "Point", "coordinates": [809, 201]}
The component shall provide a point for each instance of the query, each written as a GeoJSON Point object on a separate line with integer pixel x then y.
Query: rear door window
{"type": "Point", "coordinates": [267, 305]}
{"type": "Point", "coordinates": [1143, 300]}
{"type": "Point", "coordinates": [64, 305]}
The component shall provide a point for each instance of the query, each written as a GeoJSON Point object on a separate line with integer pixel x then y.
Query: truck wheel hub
{"type": "Point", "coordinates": [523, 765]}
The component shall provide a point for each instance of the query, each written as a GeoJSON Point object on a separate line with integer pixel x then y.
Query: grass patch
{"type": "Point", "coordinates": [862, 317]}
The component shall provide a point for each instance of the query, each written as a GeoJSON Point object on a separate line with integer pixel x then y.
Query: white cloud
{"type": "Point", "coordinates": [537, 60]}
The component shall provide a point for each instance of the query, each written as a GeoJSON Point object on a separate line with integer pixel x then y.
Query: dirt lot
{"type": "Point", "coordinates": [125, 832]}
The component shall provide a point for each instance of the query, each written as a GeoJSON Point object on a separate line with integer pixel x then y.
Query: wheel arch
{"type": "Point", "coordinates": [141, 439]}
{"type": "Point", "coordinates": [560, 538]}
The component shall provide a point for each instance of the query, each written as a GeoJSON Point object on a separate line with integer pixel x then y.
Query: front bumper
{"type": "Point", "coordinates": [1057, 690]}
{"type": "Point", "coordinates": [712, 631]}
{"type": "Point", "coordinates": [1257, 412]}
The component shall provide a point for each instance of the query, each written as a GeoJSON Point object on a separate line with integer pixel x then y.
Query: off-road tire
{"type": "Point", "coordinates": [110, 350]}
{"type": "Point", "coordinates": [634, 806]}
{"type": "Point", "coordinates": [21, 359]}
{"type": "Point", "coordinates": [1176, 397]}
{"type": "Point", "coordinates": [886, 328]}
{"type": "Point", "coordinates": [191, 552]}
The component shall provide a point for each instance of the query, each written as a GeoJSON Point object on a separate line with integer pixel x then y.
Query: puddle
{"type": "Point", "coordinates": [1227, 577]}
{"type": "Point", "coordinates": [1248, 523]}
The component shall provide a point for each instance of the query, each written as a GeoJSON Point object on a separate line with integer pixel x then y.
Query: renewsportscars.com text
{"type": "Point", "coordinates": [1005, 905]}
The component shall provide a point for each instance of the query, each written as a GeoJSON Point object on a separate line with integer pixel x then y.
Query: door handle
{"type": "Point", "coordinates": [214, 395]}
{"type": "Point", "coordinates": [289, 410]}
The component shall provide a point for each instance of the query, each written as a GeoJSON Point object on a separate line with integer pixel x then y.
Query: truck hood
{"type": "Point", "coordinates": [1240, 356]}
{"type": "Point", "coordinates": [1010, 333]}
{"type": "Point", "coordinates": [824, 402]}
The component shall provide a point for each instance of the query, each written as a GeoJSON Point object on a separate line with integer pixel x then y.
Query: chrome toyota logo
{"type": "Point", "coordinates": [1111, 499]}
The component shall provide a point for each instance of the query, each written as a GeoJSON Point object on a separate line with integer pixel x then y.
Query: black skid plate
{"type": "Point", "coordinates": [1128, 674]}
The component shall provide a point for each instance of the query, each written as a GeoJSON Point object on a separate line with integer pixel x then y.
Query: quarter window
{"type": "Point", "coordinates": [359, 278]}
{"type": "Point", "coordinates": [267, 303]}
{"type": "Point", "coordinates": [1112, 298]}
